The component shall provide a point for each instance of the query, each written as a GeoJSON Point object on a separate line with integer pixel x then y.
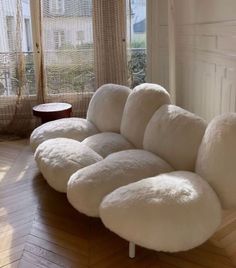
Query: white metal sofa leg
{"type": "Point", "coordinates": [131, 250]}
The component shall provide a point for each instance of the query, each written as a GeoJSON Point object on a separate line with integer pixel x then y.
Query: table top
{"type": "Point", "coordinates": [52, 107]}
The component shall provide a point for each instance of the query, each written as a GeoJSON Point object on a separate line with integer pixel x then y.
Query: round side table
{"type": "Point", "coordinates": [52, 111]}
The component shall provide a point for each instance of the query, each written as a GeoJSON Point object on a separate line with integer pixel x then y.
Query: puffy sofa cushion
{"type": "Point", "coordinates": [170, 212]}
{"type": "Point", "coordinates": [216, 161]}
{"type": "Point", "coordinates": [59, 158]}
{"type": "Point", "coordinates": [88, 186]}
{"type": "Point", "coordinates": [73, 128]}
{"type": "Point", "coordinates": [141, 104]}
{"type": "Point", "coordinates": [175, 135]}
{"type": "Point", "coordinates": [106, 107]}
{"type": "Point", "coordinates": [107, 142]}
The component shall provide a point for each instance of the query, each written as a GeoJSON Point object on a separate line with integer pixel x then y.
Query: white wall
{"type": "Point", "coordinates": [157, 42]}
{"type": "Point", "coordinates": [206, 56]}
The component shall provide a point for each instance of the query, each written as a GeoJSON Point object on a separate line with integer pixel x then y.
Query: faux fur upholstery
{"type": "Point", "coordinates": [73, 128]}
{"type": "Point", "coordinates": [88, 186]}
{"type": "Point", "coordinates": [171, 212]}
{"type": "Point", "coordinates": [175, 135]}
{"type": "Point", "coordinates": [141, 104]}
{"type": "Point", "coordinates": [216, 161]}
{"type": "Point", "coordinates": [106, 107]}
{"type": "Point", "coordinates": [107, 142]}
{"type": "Point", "coordinates": [59, 158]}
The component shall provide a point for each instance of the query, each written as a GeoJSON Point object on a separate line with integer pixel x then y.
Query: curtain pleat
{"type": "Point", "coordinates": [41, 83]}
{"type": "Point", "coordinates": [109, 24]}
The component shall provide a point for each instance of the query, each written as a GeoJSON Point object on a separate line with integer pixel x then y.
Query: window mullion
{"type": "Point", "coordinates": [35, 9]}
{"type": "Point", "coordinates": [172, 47]}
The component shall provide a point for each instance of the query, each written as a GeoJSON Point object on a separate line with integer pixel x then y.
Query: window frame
{"type": "Point", "coordinates": [57, 7]}
{"type": "Point", "coordinates": [60, 35]}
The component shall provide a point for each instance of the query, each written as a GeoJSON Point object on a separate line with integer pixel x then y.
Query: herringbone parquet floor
{"type": "Point", "coordinates": [38, 228]}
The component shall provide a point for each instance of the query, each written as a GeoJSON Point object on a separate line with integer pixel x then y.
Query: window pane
{"type": "Point", "coordinates": [16, 56]}
{"type": "Point", "coordinates": [136, 32]}
{"type": "Point", "coordinates": [68, 45]}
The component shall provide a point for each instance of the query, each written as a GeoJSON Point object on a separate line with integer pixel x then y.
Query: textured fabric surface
{"type": "Point", "coordinates": [59, 158]}
{"type": "Point", "coordinates": [141, 104]}
{"type": "Point", "coordinates": [216, 161]}
{"type": "Point", "coordinates": [106, 107]}
{"type": "Point", "coordinates": [171, 212]}
{"type": "Point", "coordinates": [107, 142]}
{"type": "Point", "coordinates": [175, 135]}
{"type": "Point", "coordinates": [73, 128]}
{"type": "Point", "coordinates": [110, 50]}
{"type": "Point", "coordinates": [87, 187]}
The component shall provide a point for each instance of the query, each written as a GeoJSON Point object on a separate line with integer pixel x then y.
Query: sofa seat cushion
{"type": "Point", "coordinates": [73, 128]}
{"type": "Point", "coordinates": [59, 158]}
{"type": "Point", "coordinates": [87, 187]}
{"type": "Point", "coordinates": [171, 212]}
{"type": "Point", "coordinates": [107, 142]}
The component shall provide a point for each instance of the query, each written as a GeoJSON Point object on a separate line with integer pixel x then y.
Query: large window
{"type": "Point", "coordinates": [47, 52]}
{"type": "Point", "coordinates": [136, 35]}
{"type": "Point", "coordinates": [67, 40]}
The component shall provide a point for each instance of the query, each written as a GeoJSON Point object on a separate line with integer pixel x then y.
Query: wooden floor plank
{"type": "Point", "coordinates": [48, 255]}
{"type": "Point", "coordinates": [205, 259]}
{"type": "Point", "coordinates": [13, 256]}
{"type": "Point", "coordinates": [38, 261]}
{"type": "Point", "coordinates": [13, 265]}
{"type": "Point", "coordinates": [74, 256]}
{"type": "Point", "coordinates": [7, 244]}
{"type": "Point", "coordinates": [25, 264]}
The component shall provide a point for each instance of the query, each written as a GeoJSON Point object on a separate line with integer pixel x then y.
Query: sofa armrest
{"type": "Point", "coordinates": [72, 128]}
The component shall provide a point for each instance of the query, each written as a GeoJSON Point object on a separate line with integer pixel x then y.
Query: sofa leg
{"type": "Point", "coordinates": [131, 250]}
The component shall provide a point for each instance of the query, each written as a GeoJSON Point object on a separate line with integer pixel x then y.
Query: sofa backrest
{"type": "Point", "coordinates": [175, 135]}
{"type": "Point", "coordinates": [106, 107]}
{"type": "Point", "coordinates": [216, 161]}
{"type": "Point", "coordinates": [141, 104]}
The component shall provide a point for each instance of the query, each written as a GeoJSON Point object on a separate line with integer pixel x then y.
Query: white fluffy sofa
{"type": "Point", "coordinates": [152, 171]}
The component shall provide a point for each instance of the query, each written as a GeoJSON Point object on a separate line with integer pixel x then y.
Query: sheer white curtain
{"type": "Point", "coordinates": [17, 80]}
{"type": "Point", "coordinates": [120, 41]}
{"type": "Point", "coordinates": [68, 52]}
{"type": "Point", "coordinates": [46, 54]}
{"type": "Point", "coordinates": [110, 41]}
